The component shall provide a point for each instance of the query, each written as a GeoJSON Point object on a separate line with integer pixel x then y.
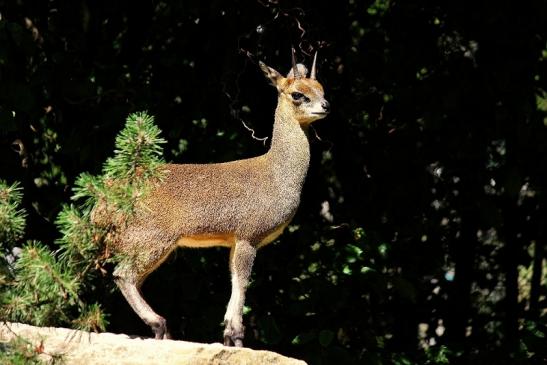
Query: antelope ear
{"type": "Point", "coordinates": [275, 77]}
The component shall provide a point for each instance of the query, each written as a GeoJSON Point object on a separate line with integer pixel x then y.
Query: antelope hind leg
{"type": "Point", "coordinates": [129, 286]}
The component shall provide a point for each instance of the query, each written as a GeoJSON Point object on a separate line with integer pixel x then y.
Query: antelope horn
{"type": "Point", "coordinates": [313, 67]}
{"type": "Point", "coordinates": [296, 74]}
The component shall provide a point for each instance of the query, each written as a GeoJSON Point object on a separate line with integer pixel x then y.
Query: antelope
{"type": "Point", "coordinates": [242, 204]}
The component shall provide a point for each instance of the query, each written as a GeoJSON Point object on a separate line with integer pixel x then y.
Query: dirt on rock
{"type": "Point", "coordinates": [84, 348]}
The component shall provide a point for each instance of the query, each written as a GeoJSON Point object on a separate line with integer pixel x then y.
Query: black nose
{"type": "Point", "coordinates": [326, 106]}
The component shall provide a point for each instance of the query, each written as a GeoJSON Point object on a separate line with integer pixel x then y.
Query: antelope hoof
{"type": "Point", "coordinates": [233, 341]}
{"type": "Point", "coordinates": [233, 336]}
{"type": "Point", "coordinates": [160, 329]}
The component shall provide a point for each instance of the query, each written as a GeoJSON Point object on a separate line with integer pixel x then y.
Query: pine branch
{"type": "Point", "coordinates": [41, 288]}
{"type": "Point", "coordinates": [138, 151]}
{"type": "Point", "coordinates": [12, 218]}
{"type": "Point", "coordinates": [48, 288]}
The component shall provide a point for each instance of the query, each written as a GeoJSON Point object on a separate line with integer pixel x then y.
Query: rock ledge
{"type": "Point", "coordinates": [85, 348]}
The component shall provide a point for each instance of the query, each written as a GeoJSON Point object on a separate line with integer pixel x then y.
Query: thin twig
{"type": "Point", "coordinates": [263, 139]}
{"type": "Point", "coordinates": [320, 139]}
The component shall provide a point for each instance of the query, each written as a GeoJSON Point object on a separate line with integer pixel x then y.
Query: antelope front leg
{"type": "Point", "coordinates": [242, 256]}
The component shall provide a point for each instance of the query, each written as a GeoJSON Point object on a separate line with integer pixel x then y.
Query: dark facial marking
{"type": "Point", "coordinates": [299, 97]}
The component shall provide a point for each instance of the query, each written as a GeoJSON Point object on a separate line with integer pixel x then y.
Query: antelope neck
{"type": "Point", "coordinates": [290, 149]}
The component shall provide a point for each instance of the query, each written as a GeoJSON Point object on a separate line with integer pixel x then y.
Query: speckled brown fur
{"type": "Point", "coordinates": [241, 204]}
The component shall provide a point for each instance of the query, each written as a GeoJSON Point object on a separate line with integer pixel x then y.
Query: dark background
{"type": "Point", "coordinates": [432, 162]}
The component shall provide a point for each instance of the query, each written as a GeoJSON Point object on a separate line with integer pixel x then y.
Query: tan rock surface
{"type": "Point", "coordinates": [84, 348]}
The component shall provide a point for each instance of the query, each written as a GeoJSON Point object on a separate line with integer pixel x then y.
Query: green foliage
{"type": "Point", "coordinates": [12, 227]}
{"type": "Point", "coordinates": [12, 217]}
{"type": "Point", "coordinates": [138, 152]}
{"type": "Point", "coordinates": [51, 288]}
{"type": "Point", "coordinates": [438, 355]}
{"type": "Point", "coordinates": [129, 174]}
{"type": "Point", "coordinates": [19, 351]}
{"type": "Point", "coordinates": [43, 288]}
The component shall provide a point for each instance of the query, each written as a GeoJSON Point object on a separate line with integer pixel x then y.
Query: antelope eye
{"type": "Point", "coordinates": [297, 96]}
